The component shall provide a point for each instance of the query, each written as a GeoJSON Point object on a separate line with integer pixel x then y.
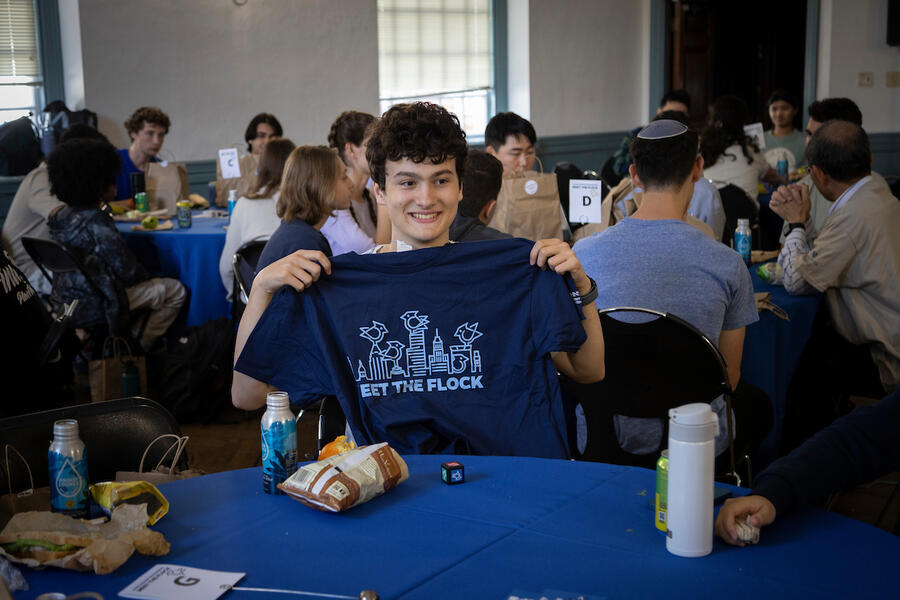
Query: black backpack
{"type": "Point", "coordinates": [196, 383]}
{"type": "Point", "coordinates": [20, 148]}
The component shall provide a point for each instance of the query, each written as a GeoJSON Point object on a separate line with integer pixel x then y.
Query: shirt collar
{"type": "Point", "coordinates": [843, 198]}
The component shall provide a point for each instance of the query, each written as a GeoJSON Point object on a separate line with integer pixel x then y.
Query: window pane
{"type": "Point", "coordinates": [18, 42]}
{"type": "Point", "coordinates": [9, 115]}
{"type": "Point", "coordinates": [16, 96]}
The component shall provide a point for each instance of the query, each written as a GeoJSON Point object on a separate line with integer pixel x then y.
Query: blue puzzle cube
{"type": "Point", "coordinates": [452, 473]}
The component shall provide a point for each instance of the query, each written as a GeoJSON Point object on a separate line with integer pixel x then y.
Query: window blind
{"type": "Point", "coordinates": [18, 41]}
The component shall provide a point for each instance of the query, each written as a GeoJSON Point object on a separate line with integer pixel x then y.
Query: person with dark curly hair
{"type": "Point", "coordinates": [431, 346]}
{"type": "Point", "coordinates": [260, 130]}
{"type": "Point", "coordinates": [147, 127]}
{"type": "Point", "coordinates": [729, 155]}
{"type": "Point", "coordinates": [83, 175]}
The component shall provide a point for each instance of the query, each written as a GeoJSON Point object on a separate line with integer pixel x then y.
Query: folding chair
{"type": "Point", "coordinates": [738, 205]}
{"type": "Point", "coordinates": [654, 361]}
{"type": "Point", "coordinates": [244, 264]}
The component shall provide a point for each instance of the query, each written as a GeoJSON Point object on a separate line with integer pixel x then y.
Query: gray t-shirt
{"type": "Point", "coordinates": [669, 266]}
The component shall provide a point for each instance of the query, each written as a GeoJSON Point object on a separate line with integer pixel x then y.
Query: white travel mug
{"type": "Point", "coordinates": [692, 457]}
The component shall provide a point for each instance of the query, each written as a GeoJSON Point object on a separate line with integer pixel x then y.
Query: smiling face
{"type": "Point", "coordinates": [421, 199]}
{"type": "Point", "coordinates": [149, 140]}
{"type": "Point", "coordinates": [782, 113]}
{"type": "Point", "coordinates": [264, 132]}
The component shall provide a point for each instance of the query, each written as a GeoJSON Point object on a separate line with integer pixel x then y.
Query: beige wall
{"type": "Point", "coordinates": [589, 65]}
{"type": "Point", "coordinates": [212, 65]}
{"type": "Point", "coordinates": [853, 39]}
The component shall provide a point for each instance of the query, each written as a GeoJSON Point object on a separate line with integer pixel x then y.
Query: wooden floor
{"type": "Point", "coordinates": [233, 442]}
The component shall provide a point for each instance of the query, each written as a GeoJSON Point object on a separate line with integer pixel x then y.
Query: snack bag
{"type": "Point", "coordinates": [110, 494]}
{"type": "Point", "coordinates": [341, 482]}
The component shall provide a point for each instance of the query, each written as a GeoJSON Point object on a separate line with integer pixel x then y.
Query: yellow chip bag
{"type": "Point", "coordinates": [110, 494]}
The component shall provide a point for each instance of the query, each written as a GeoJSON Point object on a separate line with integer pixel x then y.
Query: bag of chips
{"type": "Point", "coordinates": [341, 482]}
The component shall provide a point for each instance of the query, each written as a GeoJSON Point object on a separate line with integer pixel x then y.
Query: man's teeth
{"type": "Point", "coordinates": [425, 216]}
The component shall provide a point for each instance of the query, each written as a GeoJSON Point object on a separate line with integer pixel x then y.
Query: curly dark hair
{"type": "Point", "coordinates": [81, 171]}
{"type": "Point", "coordinates": [726, 128]}
{"type": "Point", "coordinates": [349, 126]}
{"type": "Point", "coordinates": [416, 131]}
{"type": "Point", "coordinates": [147, 114]}
{"type": "Point", "coordinates": [268, 119]}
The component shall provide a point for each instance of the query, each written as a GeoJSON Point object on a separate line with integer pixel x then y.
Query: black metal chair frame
{"type": "Point", "coordinates": [115, 434]}
{"type": "Point", "coordinates": [244, 264]}
{"type": "Point", "coordinates": [642, 380]}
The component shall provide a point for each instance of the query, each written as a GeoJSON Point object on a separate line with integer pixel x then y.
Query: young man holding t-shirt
{"type": "Point", "coordinates": [446, 348]}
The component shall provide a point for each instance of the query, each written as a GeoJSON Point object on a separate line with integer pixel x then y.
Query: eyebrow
{"type": "Point", "coordinates": [415, 175]}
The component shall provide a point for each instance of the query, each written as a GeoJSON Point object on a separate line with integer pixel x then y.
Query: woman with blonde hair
{"type": "Point", "coordinates": [314, 184]}
{"type": "Point", "coordinates": [254, 216]}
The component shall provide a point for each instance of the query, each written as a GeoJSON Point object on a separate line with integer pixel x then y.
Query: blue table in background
{"type": "Point", "coordinates": [190, 256]}
{"type": "Point", "coordinates": [516, 524]}
{"type": "Point", "coordinates": [772, 349]}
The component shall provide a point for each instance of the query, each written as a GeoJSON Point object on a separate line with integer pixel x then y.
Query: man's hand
{"type": "Point", "coordinates": [558, 256]}
{"type": "Point", "coordinates": [761, 511]}
{"type": "Point", "coordinates": [791, 203]}
{"type": "Point", "coordinates": [298, 270]}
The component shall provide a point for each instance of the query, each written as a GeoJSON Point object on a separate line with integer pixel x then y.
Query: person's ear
{"type": "Point", "coordinates": [487, 212]}
{"type": "Point", "coordinates": [379, 193]}
{"type": "Point", "coordinates": [348, 149]}
{"type": "Point", "coordinates": [490, 150]}
{"type": "Point", "coordinates": [632, 172]}
{"type": "Point", "coordinates": [697, 171]}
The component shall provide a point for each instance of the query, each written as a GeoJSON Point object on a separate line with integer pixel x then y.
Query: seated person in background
{"type": "Point", "coordinates": [147, 127]}
{"type": "Point", "coordinates": [262, 128]}
{"type": "Point", "coordinates": [855, 346]}
{"type": "Point", "coordinates": [314, 183]}
{"type": "Point", "coordinates": [851, 451]}
{"type": "Point", "coordinates": [783, 141]}
{"type": "Point", "coordinates": [348, 135]}
{"type": "Point", "coordinates": [705, 211]}
{"type": "Point", "coordinates": [31, 207]}
{"type": "Point", "coordinates": [653, 259]}
{"type": "Point", "coordinates": [729, 156]}
{"type": "Point", "coordinates": [83, 174]}
{"type": "Point", "coordinates": [254, 216]}
{"type": "Point", "coordinates": [481, 184]}
{"type": "Point", "coordinates": [511, 139]}
{"type": "Point", "coordinates": [496, 391]}
{"type": "Point", "coordinates": [677, 101]}
{"type": "Point", "coordinates": [841, 109]}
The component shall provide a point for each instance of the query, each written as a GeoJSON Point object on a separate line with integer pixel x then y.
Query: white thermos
{"type": "Point", "coordinates": [692, 457]}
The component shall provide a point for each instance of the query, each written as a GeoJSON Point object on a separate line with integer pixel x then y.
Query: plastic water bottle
{"type": "Point", "coordinates": [68, 470]}
{"type": "Point", "coordinates": [743, 239]}
{"type": "Point", "coordinates": [232, 200]}
{"type": "Point", "coordinates": [279, 442]}
{"type": "Point", "coordinates": [782, 166]}
{"type": "Point", "coordinates": [690, 491]}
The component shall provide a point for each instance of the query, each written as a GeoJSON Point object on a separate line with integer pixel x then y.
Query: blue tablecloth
{"type": "Point", "coordinates": [772, 349]}
{"type": "Point", "coordinates": [190, 256]}
{"type": "Point", "coordinates": [516, 524]}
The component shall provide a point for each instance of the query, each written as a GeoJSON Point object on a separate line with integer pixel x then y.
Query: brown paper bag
{"type": "Point", "coordinates": [13, 502]}
{"type": "Point", "coordinates": [242, 185]}
{"type": "Point", "coordinates": [162, 473]}
{"type": "Point", "coordinates": [528, 206]}
{"type": "Point", "coordinates": [167, 183]}
{"type": "Point", "coordinates": [105, 374]}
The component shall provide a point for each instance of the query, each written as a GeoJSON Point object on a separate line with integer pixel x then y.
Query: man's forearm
{"type": "Point", "coordinates": [795, 248]}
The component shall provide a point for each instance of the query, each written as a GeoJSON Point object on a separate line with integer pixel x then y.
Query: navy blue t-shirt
{"type": "Point", "coordinates": [290, 237]}
{"type": "Point", "coordinates": [439, 350]}
{"type": "Point", "coordinates": [123, 179]}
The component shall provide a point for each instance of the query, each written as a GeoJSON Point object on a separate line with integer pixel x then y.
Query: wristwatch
{"type": "Point", "coordinates": [591, 294]}
{"type": "Point", "coordinates": [793, 226]}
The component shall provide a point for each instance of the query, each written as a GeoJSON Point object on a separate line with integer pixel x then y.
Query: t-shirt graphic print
{"type": "Point", "coordinates": [439, 350]}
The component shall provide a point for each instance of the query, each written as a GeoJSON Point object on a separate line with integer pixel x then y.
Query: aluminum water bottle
{"type": "Point", "coordinates": [279, 442]}
{"type": "Point", "coordinates": [68, 470]}
{"type": "Point", "coordinates": [690, 491]}
{"type": "Point", "coordinates": [782, 167]}
{"type": "Point", "coordinates": [743, 239]}
{"type": "Point", "coordinates": [232, 200]}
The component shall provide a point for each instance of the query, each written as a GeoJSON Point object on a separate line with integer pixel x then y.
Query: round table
{"type": "Point", "coordinates": [190, 256]}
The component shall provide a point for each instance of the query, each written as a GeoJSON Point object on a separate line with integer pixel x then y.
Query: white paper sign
{"type": "Point", "coordinates": [585, 198]}
{"type": "Point", "coordinates": [228, 162]}
{"type": "Point", "coordinates": [755, 131]}
{"type": "Point", "coordinates": [187, 583]}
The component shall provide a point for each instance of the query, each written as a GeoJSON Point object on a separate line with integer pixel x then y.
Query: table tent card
{"type": "Point", "coordinates": [229, 163]}
{"type": "Point", "coordinates": [186, 583]}
{"type": "Point", "coordinates": [585, 200]}
{"type": "Point", "coordinates": [755, 132]}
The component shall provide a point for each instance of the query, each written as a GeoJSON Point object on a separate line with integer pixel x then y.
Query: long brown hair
{"type": "Point", "coordinates": [308, 184]}
{"type": "Point", "coordinates": [271, 166]}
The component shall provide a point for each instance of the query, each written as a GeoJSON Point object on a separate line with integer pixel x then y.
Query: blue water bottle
{"type": "Point", "coordinates": [743, 239]}
{"type": "Point", "coordinates": [68, 470]}
{"type": "Point", "coordinates": [782, 167]}
{"type": "Point", "coordinates": [279, 442]}
{"type": "Point", "coordinates": [232, 201]}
